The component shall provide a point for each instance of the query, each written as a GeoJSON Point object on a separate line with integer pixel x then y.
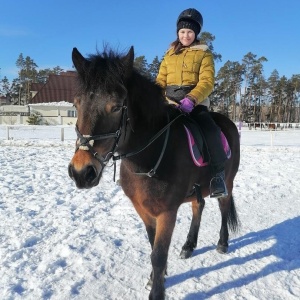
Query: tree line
{"type": "Point", "coordinates": [18, 91]}
{"type": "Point", "coordinates": [241, 90]}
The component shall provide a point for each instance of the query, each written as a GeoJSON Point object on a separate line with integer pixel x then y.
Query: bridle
{"type": "Point", "coordinates": [86, 142]}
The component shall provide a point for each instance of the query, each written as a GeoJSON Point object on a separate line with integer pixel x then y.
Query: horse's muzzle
{"type": "Point", "coordinates": [84, 178]}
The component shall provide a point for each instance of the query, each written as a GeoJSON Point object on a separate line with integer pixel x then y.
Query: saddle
{"type": "Point", "coordinates": [197, 145]}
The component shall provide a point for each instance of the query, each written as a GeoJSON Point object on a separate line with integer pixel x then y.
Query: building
{"type": "Point", "coordinates": [58, 88]}
{"type": "Point", "coordinates": [4, 100]}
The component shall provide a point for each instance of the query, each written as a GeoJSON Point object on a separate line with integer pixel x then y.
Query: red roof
{"type": "Point", "coordinates": [57, 88]}
{"type": "Point", "coordinates": [36, 86]}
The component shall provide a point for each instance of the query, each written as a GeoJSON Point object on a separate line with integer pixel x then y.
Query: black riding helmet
{"type": "Point", "coordinates": [190, 18]}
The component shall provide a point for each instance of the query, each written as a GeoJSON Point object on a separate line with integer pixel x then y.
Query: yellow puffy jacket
{"type": "Point", "coordinates": [192, 66]}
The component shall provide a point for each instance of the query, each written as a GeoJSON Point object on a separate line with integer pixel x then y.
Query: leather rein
{"type": "Point", "coordinates": [86, 142]}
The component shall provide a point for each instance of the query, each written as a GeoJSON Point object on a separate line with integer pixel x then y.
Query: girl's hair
{"type": "Point", "coordinates": [178, 46]}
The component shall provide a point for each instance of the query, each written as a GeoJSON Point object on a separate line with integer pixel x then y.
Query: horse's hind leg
{"type": "Point", "coordinates": [191, 242]}
{"type": "Point", "coordinates": [229, 217]}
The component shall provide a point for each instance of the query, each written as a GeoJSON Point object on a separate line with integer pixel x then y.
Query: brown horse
{"type": "Point", "coordinates": [123, 115]}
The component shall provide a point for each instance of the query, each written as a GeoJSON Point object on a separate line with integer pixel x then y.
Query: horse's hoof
{"type": "Point", "coordinates": [186, 253]}
{"type": "Point", "coordinates": [222, 249]}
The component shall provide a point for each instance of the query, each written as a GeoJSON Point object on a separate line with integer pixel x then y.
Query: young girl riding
{"type": "Point", "coordinates": [187, 75]}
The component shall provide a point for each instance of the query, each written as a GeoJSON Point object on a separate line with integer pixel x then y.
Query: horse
{"type": "Point", "coordinates": [256, 125]}
{"type": "Point", "coordinates": [123, 115]}
{"type": "Point", "coordinates": [271, 126]}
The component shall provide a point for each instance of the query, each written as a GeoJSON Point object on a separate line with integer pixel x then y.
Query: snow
{"type": "Point", "coordinates": [60, 103]}
{"type": "Point", "coordinates": [59, 243]}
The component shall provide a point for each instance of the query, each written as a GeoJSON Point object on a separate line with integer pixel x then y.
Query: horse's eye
{"type": "Point", "coordinates": [116, 109]}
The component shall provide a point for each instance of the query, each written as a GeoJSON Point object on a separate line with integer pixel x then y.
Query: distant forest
{"type": "Point", "coordinates": [241, 91]}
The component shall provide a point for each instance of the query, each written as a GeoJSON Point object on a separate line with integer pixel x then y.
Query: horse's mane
{"type": "Point", "coordinates": [146, 97]}
{"type": "Point", "coordinates": [107, 71]}
{"type": "Point", "coordinates": [104, 70]}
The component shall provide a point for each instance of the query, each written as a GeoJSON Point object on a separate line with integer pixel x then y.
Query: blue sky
{"type": "Point", "coordinates": [47, 30]}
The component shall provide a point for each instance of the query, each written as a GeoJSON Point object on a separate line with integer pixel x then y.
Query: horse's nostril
{"type": "Point", "coordinates": [85, 177]}
{"type": "Point", "coordinates": [90, 174]}
{"type": "Point", "coordinates": [70, 171]}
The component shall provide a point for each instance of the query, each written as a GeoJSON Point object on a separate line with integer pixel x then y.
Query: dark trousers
{"type": "Point", "coordinates": [212, 136]}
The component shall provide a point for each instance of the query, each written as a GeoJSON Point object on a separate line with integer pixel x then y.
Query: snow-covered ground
{"type": "Point", "coordinates": [58, 242]}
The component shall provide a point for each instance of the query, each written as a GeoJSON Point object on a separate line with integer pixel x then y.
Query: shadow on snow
{"type": "Point", "coordinates": [286, 249]}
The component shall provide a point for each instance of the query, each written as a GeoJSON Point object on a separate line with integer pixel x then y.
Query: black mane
{"type": "Point", "coordinates": [107, 72]}
{"type": "Point", "coordinates": [104, 71]}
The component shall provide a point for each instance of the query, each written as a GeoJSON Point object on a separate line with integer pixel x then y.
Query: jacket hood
{"type": "Point", "coordinates": [194, 47]}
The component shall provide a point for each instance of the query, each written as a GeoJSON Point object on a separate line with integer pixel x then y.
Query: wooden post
{"type": "Point", "coordinates": [272, 138]}
{"type": "Point", "coordinates": [62, 134]}
{"type": "Point", "coordinates": [240, 129]}
{"type": "Point", "coordinates": [7, 132]}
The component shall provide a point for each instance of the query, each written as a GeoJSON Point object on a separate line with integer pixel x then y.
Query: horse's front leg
{"type": "Point", "coordinates": [150, 225]}
{"type": "Point", "coordinates": [192, 238]}
{"type": "Point", "coordinates": [165, 224]}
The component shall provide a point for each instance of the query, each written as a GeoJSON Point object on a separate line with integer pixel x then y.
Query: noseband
{"type": "Point", "coordinates": [86, 142]}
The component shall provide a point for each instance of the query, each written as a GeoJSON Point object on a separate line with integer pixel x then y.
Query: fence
{"type": "Point", "coordinates": [37, 132]}
{"type": "Point", "coordinates": [60, 133]}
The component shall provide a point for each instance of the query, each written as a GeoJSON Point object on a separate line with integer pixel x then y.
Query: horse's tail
{"type": "Point", "coordinates": [233, 219]}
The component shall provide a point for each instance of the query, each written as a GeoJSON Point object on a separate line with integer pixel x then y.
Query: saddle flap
{"type": "Point", "coordinates": [197, 148]}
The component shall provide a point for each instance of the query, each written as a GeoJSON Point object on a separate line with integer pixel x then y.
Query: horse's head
{"type": "Point", "coordinates": [101, 111]}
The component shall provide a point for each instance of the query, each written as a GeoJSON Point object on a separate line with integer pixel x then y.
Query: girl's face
{"type": "Point", "coordinates": [186, 36]}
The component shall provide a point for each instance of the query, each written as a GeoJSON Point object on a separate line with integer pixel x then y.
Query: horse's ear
{"type": "Point", "coordinates": [128, 62]}
{"type": "Point", "coordinates": [80, 63]}
{"type": "Point", "coordinates": [128, 59]}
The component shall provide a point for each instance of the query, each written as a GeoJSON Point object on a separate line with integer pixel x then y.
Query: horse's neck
{"type": "Point", "coordinates": [140, 131]}
{"type": "Point", "coordinates": [147, 113]}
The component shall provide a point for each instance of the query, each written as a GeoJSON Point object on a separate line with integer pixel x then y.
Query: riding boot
{"type": "Point", "coordinates": [217, 156]}
{"type": "Point", "coordinates": [218, 186]}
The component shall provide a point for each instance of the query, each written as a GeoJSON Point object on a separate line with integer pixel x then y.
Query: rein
{"type": "Point", "coordinates": [152, 172]}
{"type": "Point", "coordinates": [86, 142]}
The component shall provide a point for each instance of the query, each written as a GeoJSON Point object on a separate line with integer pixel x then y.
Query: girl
{"type": "Point", "coordinates": [187, 75]}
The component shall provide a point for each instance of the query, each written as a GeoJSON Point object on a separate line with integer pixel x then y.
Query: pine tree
{"type": "Point", "coordinates": [228, 79]}
{"type": "Point", "coordinates": [43, 75]}
{"type": "Point", "coordinates": [141, 65]}
{"type": "Point", "coordinates": [154, 68]}
{"type": "Point", "coordinates": [295, 109]}
{"type": "Point", "coordinates": [253, 78]}
{"type": "Point", "coordinates": [274, 95]}
{"type": "Point", "coordinates": [207, 38]}
{"type": "Point", "coordinates": [35, 119]}
{"type": "Point", "coordinates": [5, 87]}
{"type": "Point", "coordinates": [27, 75]}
